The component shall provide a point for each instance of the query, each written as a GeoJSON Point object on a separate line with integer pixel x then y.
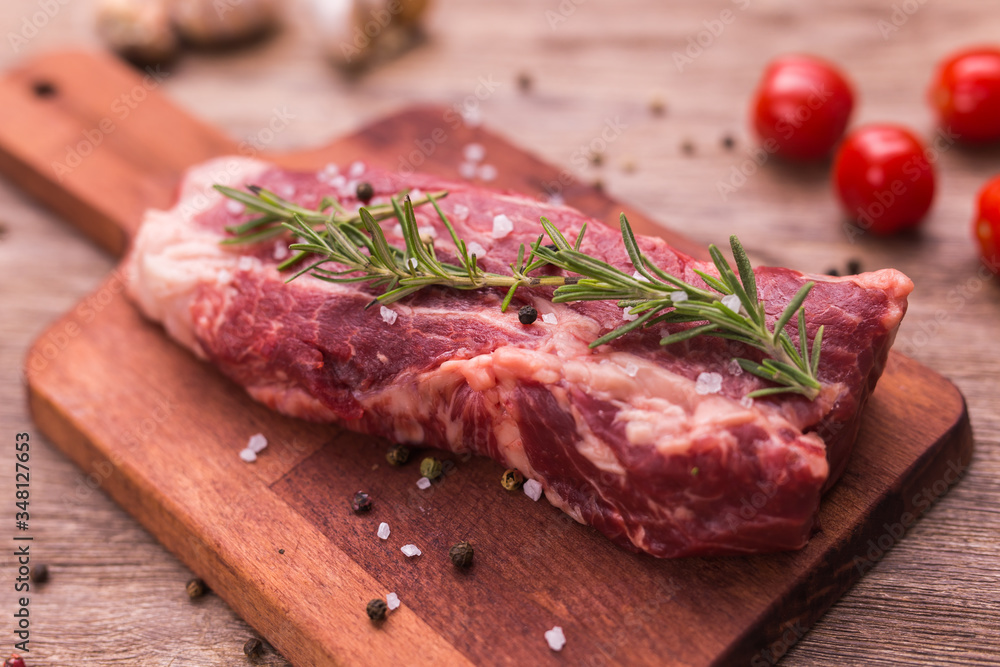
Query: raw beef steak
{"type": "Point", "coordinates": [622, 437]}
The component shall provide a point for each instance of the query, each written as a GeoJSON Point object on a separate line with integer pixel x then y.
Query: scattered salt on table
{"type": "Point", "coordinates": [732, 302]}
{"type": "Point", "coordinates": [502, 226]}
{"type": "Point", "coordinates": [533, 489]}
{"type": "Point", "coordinates": [555, 638]}
{"type": "Point", "coordinates": [257, 443]}
{"type": "Point", "coordinates": [487, 172]}
{"type": "Point", "coordinates": [550, 318]}
{"type": "Point", "coordinates": [383, 530]}
{"type": "Point", "coordinates": [423, 483]}
{"type": "Point", "coordinates": [248, 455]}
{"type": "Point", "coordinates": [474, 248]}
{"type": "Point", "coordinates": [708, 383]}
{"type": "Point", "coordinates": [467, 170]}
{"type": "Point", "coordinates": [388, 315]}
{"type": "Point", "coordinates": [410, 550]}
{"type": "Point", "coordinates": [631, 369]}
{"type": "Point", "coordinates": [629, 317]}
{"type": "Point", "coordinates": [392, 601]}
{"type": "Point", "coordinates": [474, 152]}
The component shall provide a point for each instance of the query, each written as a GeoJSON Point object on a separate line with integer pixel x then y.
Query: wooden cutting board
{"type": "Point", "coordinates": [160, 432]}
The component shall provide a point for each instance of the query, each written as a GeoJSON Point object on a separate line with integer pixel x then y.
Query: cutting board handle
{"type": "Point", "coordinates": [96, 141]}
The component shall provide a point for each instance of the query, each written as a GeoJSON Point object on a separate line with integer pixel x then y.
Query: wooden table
{"type": "Point", "coordinates": [116, 597]}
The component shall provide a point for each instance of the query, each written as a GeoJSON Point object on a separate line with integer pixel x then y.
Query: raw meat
{"type": "Point", "coordinates": [624, 437]}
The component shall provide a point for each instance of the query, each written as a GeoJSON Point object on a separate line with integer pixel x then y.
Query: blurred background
{"type": "Point", "coordinates": [648, 100]}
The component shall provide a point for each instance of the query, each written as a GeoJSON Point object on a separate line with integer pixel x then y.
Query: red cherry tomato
{"type": "Point", "coordinates": [883, 178]}
{"type": "Point", "coordinates": [986, 226]}
{"type": "Point", "coordinates": [966, 94]}
{"type": "Point", "coordinates": [801, 107]}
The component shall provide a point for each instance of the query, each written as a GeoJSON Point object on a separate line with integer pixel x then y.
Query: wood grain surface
{"type": "Point", "coordinates": [117, 598]}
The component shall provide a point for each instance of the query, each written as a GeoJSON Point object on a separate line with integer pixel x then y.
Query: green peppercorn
{"type": "Point", "coordinates": [398, 455]}
{"type": "Point", "coordinates": [365, 192]}
{"type": "Point", "coordinates": [430, 468]}
{"type": "Point", "coordinates": [361, 502]}
{"type": "Point", "coordinates": [512, 479]}
{"type": "Point", "coordinates": [377, 609]}
{"type": "Point", "coordinates": [461, 554]}
{"type": "Point", "coordinates": [195, 588]}
{"type": "Point", "coordinates": [253, 648]}
{"type": "Point", "coordinates": [527, 315]}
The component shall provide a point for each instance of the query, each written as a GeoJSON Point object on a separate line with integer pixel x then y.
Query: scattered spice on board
{"type": "Point", "coordinates": [687, 147]}
{"type": "Point", "coordinates": [376, 609]}
{"type": "Point", "coordinates": [398, 455]}
{"type": "Point", "coordinates": [657, 107]}
{"type": "Point", "coordinates": [524, 82]}
{"type": "Point", "coordinates": [195, 588]}
{"type": "Point", "coordinates": [461, 554]}
{"type": "Point", "coordinates": [430, 468]}
{"type": "Point", "coordinates": [596, 158]}
{"type": "Point", "coordinates": [253, 648]}
{"type": "Point", "coordinates": [40, 573]}
{"type": "Point", "coordinates": [512, 479]}
{"type": "Point", "coordinates": [728, 142]}
{"type": "Point", "coordinates": [361, 502]}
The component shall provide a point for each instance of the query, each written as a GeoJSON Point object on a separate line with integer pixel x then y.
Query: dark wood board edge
{"type": "Point", "coordinates": [886, 522]}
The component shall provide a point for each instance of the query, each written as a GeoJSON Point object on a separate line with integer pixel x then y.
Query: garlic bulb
{"type": "Point", "coordinates": [357, 32]}
{"type": "Point", "coordinates": [139, 30]}
{"type": "Point", "coordinates": [220, 22]}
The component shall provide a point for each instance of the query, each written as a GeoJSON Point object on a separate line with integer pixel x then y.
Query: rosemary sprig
{"type": "Point", "coordinates": [275, 211]}
{"type": "Point", "coordinates": [729, 308]}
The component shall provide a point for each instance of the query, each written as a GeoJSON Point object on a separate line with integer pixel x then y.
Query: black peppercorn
{"type": "Point", "coordinates": [253, 648]}
{"type": "Point", "coordinates": [461, 554]}
{"type": "Point", "coordinates": [398, 455]}
{"type": "Point", "coordinates": [430, 468]}
{"type": "Point", "coordinates": [527, 315]}
{"type": "Point", "coordinates": [365, 192]}
{"type": "Point", "coordinates": [832, 272]}
{"type": "Point", "coordinates": [728, 142]}
{"type": "Point", "coordinates": [40, 573]}
{"type": "Point", "coordinates": [551, 246]}
{"type": "Point", "coordinates": [377, 609]}
{"type": "Point", "coordinates": [195, 588]}
{"type": "Point", "coordinates": [687, 147]}
{"type": "Point", "coordinates": [361, 502]}
{"type": "Point", "coordinates": [853, 267]}
{"type": "Point", "coordinates": [524, 82]}
{"type": "Point", "coordinates": [512, 479]}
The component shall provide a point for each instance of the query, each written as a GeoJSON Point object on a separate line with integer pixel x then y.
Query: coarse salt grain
{"type": "Point", "coordinates": [678, 296]}
{"type": "Point", "coordinates": [746, 402]}
{"type": "Point", "coordinates": [488, 172]}
{"type": "Point", "coordinates": [225, 277]}
{"type": "Point", "coordinates": [429, 231]}
{"type": "Point", "coordinates": [248, 455]}
{"type": "Point", "coordinates": [246, 263]}
{"type": "Point", "coordinates": [474, 248]}
{"type": "Point", "coordinates": [460, 212]}
{"type": "Point", "coordinates": [472, 116]}
{"type": "Point", "coordinates": [423, 483]}
{"type": "Point", "coordinates": [474, 152]}
{"type": "Point", "coordinates": [392, 601]}
{"type": "Point", "coordinates": [287, 190]}
{"type": "Point", "coordinates": [356, 169]}
{"type": "Point", "coordinates": [383, 530]}
{"type": "Point", "coordinates": [412, 263]}
{"type": "Point", "coordinates": [629, 317]}
{"type": "Point", "coordinates": [550, 318]}
{"type": "Point", "coordinates": [533, 489]}
{"type": "Point", "coordinates": [502, 226]}
{"type": "Point", "coordinates": [555, 638]}
{"type": "Point", "coordinates": [631, 369]}
{"type": "Point", "coordinates": [338, 181]}
{"type": "Point", "coordinates": [708, 383]}
{"type": "Point", "coordinates": [257, 443]}
{"type": "Point", "coordinates": [235, 207]}
{"type": "Point", "coordinates": [734, 367]}
{"type": "Point", "coordinates": [641, 278]}
{"type": "Point", "coordinates": [397, 230]}
{"type": "Point", "coordinates": [556, 199]}
{"type": "Point", "coordinates": [732, 302]}
{"type": "Point", "coordinates": [467, 170]}
{"type": "Point", "coordinates": [415, 194]}
{"type": "Point", "coordinates": [331, 169]}
{"type": "Point", "coordinates": [280, 250]}
{"type": "Point", "coordinates": [388, 315]}
{"type": "Point", "coordinates": [410, 550]}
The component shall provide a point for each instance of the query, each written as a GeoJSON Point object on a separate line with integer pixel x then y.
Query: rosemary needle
{"type": "Point", "coordinates": [358, 247]}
